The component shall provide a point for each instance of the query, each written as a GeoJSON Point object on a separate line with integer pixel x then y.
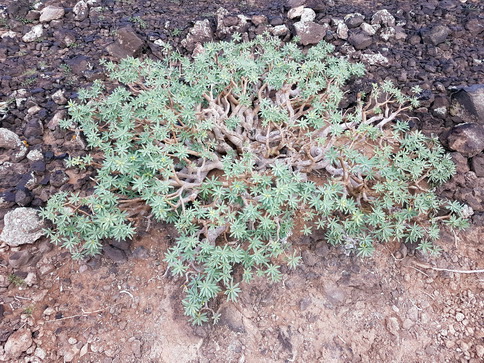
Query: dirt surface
{"type": "Point", "coordinates": [124, 307]}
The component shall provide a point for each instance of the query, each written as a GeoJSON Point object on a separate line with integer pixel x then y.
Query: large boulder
{"type": "Point", "coordinates": [22, 226]}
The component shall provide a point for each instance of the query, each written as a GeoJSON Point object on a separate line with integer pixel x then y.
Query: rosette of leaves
{"type": "Point", "coordinates": [234, 147]}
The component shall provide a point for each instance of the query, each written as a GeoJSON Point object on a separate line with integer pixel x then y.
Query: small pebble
{"type": "Point", "coordinates": [72, 340]}
{"type": "Point", "coordinates": [459, 316]}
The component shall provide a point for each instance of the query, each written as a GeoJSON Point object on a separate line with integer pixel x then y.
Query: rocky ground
{"type": "Point", "coordinates": [123, 307]}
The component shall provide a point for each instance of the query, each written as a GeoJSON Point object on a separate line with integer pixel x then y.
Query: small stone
{"type": "Point", "coordinates": [35, 33]}
{"type": "Point", "coordinates": [468, 139]}
{"type": "Point", "coordinates": [22, 226]}
{"type": "Point", "coordinates": [17, 343]}
{"type": "Point", "coordinates": [136, 348]}
{"type": "Point", "coordinates": [200, 33]}
{"type": "Point", "coordinates": [407, 324]}
{"type": "Point", "coordinates": [10, 141]}
{"type": "Point", "coordinates": [128, 44]}
{"type": "Point", "coordinates": [70, 353]}
{"type": "Point", "coordinates": [393, 325]}
{"type": "Point", "coordinates": [305, 303]}
{"type": "Point", "coordinates": [80, 10]}
{"type": "Point", "coordinates": [354, 20]}
{"type": "Point", "coordinates": [59, 98]}
{"type": "Point", "coordinates": [54, 122]}
{"type": "Point", "coordinates": [450, 344]}
{"type": "Point", "coordinates": [295, 12]}
{"type": "Point", "coordinates": [310, 32]}
{"type": "Point", "coordinates": [360, 40]}
{"type": "Point", "coordinates": [480, 351]}
{"type": "Point", "coordinates": [309, 258]}
{"type": "Point", "coordinates": [368, 29]}
{"type": "Point", "coordinates": [232, 318]}
{"type": "Point", "coordinates": [84, 350]}
{"type": "Point", "coordinates": [459, 317]}
{"type": "Point", "coordinates": [19, 259]}
{"type": "Point", "coordinates": [279, 30]}
{"type": "Point", "coordinates": [308, 15]}
{"type": "Point", "coordinates": [40, 353]}
{"type": "Point", "coordinates": [342, 31]}
{"type": "Point", "coordinates": [375, 59]}
{"type": "Point", "coordinates": [477, 165]}
{"type": "Point", "coordinates": [49, 311]}
{"type": "Point", "coordinates": [31, 279]}
{"type": "Point", "coordinates": [472, 100]}
{"type": "Point", "coordinates": [383, 17]}
{"type": "Point", "coordinates": [58, 178]}
{"type": "Point", "coordinates": [114, 254]}
{"type": "Point", "coordinates": [72, 340]}
{"type": "Point", "coordinates": [50, 13]}
{"type": "Point", "coordinates": [438, 34]}
{"type": "Point", "coordinates": [35, 155]}
{"type": "Point", "coordinates": [259, 20]}
{"type": "Point", "coordinates": [23, 197]}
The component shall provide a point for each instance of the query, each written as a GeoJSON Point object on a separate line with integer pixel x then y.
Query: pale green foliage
{"type": "Point", "coordinates": [236, 145]}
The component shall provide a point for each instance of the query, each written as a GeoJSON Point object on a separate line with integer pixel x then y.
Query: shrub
{"type": "Point", "coordinates": [239, 145]}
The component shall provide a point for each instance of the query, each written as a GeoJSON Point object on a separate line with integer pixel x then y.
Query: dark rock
{"type": "Point", "coordinates": [360, 40]}
{"type": "Point", "coordinates": [259, 20]}
{"type": "Point", "coordinates": [114, 253]}
{"type": "Point", "coordinates": [477, 165]}
{"type": "Point", "coordinates": [38, 166]}
{"type": "Point", "coordinates": [122, 245]}
{"type": "Point", "coordinates": [232, 318]}
{"type": "Point", "coordinates": [231, 21]}
{"type": "Point", "coordinates": [278, 20]}
{"type": "Point", "coordinates": [354, 20]}
{"type": "Point", "coordinates": [461, 164]}
{"type": "Point", "coordinates": [58, 178]}
{"type": "Point", "coordinates": [33, 129]}
{"type": "Point", "coordinates": [319, 5]}
{"type": "Point", "coordinates": [475, 26]}
{"type": "Point", "coordinates": [19, 259]}
{"type": "Point", "coordinates": [440, 107]}
{"type": "Point", "coordinates": [18, 9]}
{"type": "Point", "coordinates": [79, 64]}
{"type": "Point", "coordinates": [478, 219]}
{"type": "Point", "coordinates": [305, 303]}
{"type": "Point", "coordinates": [438, 34]}
{"type": "Point", "coordinates": [309, 258]}
{"type": "Point", "coordinates": [310, 32]}
{"type": "Point", "coordinates": [140, 253]}
{"type": "Point", "coordinates": [7, 196]}
{"type": "Point", "coordinates": [294, 3]}
{"type": "Point", "coordinates": [127, 44]}
{"type": "Point", "coordinates": [472, 99]}
{"type": "Point", "coordinates": [468, 139]}
{"type": "Point", "coordinates": [23, 197]}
